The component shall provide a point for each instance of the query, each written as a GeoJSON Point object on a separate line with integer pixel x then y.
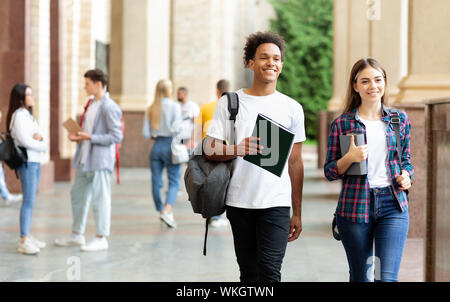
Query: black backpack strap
{"type": "Point", "coordinates": [206, 235]}
{"type": "Point", "coordinates": [233, 109]}
{"type": "Point", "coordinates": [395, 121]}
{"type": "Point", "coordinates": [334, 229]}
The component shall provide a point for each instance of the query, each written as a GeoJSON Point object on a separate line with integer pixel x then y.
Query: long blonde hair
{"type": "Point", "coordinates": [353, 99]}
{"type": "Point", "coordinates": [163, 90]}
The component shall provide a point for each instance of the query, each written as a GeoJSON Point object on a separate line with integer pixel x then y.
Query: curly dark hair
{"type": "Point", "coordinates": [258, 38]}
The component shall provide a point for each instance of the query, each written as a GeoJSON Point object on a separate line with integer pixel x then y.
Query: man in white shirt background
{"type": "Point", "coordinates": [189, 111]}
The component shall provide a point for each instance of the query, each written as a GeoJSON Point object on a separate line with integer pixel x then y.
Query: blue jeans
{"type": "Point", "coordinates": [160, 158]}
{"type": "Point", "coordinates": [4, 193]}
{"type": "Point", "coordinates": [29, 175]}
{"type": "Point", "coordinates": [387, 228]}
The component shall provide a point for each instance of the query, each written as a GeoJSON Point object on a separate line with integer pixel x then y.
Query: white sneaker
{"type": "Point", "coordinates": [13, 198]}
{"type": "Point", "coordinates": [72, 240]}
{"type": "Point", "coordinates": [168, 219]}
{"type": "Point", "coordinates": [36, 242]}
{"type": "Point", "coordinates": [217, 223]}
{"type": "Point", "coordinates": [95, 245]}
{"type": "Point", "coordinates": [27, 247]}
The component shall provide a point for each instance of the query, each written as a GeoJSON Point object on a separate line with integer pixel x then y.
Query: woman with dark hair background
{"type": "Point", "coordinates": [26, 133]}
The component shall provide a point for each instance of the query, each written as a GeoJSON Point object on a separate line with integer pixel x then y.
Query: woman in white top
{"type": "Point", "coordinates": [373, 208]}
{"type": "Point", "coordinates": [25, 132]}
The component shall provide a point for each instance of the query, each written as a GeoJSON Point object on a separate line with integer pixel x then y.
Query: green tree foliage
{"type": "Point", "coordinates": [307, 27]}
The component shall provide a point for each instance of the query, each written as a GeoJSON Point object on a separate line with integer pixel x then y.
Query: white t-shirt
{"type": "Point", "coordinates": [189, 111]}
{"type": "Point", "coordinates": [377, 153]}
{"type": "Point", "coordinates": [88, 127]}
{"type": "Point", "coordinates": [252, 187]}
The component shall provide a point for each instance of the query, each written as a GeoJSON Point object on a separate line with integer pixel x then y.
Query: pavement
{"type": "Point", "coordinates": [143, 249]}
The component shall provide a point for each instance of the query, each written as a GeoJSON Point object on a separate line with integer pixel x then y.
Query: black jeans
{"type": "Point", "coordinates": [260, 239]}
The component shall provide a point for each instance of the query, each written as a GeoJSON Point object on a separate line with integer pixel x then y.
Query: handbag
{"type": "Point", "coordinates": [180, 153]}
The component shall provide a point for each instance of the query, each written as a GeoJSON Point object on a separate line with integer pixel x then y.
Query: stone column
{"type": "Point", "coordinates": [71, 11]}
{"type": "Point", "coordinates": [63, 171]}
{"type": "Point", "coordinates": [195, 49]}
{"type": "Point", "coordinates": [429, 47]}
{"type": "Point", "coordinates": [139, 50]}
{"type": "Point", "coordinates": [428, 77]}
{"type": "Point", "coordinates": [40, 80]}
{"type": "Point", "coordinates": [140, 57]}
{"type": "Point", "coordinates": [361, 30]}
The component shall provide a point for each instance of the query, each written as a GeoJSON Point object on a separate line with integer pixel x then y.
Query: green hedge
{"type": "Point", "coordinates": [307, 27]}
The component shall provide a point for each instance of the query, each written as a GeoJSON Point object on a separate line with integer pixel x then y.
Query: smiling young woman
{"type": "Point", "coordinates": [372, 208]}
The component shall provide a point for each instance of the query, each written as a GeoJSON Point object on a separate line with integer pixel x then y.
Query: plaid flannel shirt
{"type": "Point", "coordinates": [354, 199]}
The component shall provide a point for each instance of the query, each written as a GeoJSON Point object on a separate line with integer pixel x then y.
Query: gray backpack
{"type": "Point", "coordinates": [207, 181]}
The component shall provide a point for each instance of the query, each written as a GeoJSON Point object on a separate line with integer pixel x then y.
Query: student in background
{"type": "Point", "coordinates": [162, 123]}
{"type": "Point", "coordinates": [25, 131]}
{"type": "Point", "coordinates": [189, 111]}
{"type": "Point", "coordinates": [94, 160]}
{"type": "Point", "coordinates": [373, 208]}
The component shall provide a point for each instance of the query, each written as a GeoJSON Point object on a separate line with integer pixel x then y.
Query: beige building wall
{"type": "Point", "coordinates": [140, 50]}
{"type": "Point", "coordinates": [94, 26]}
{"type": "Point", "coordinates": [70, 79]}
{"type": "Point", "coordinates": [197, 51]}
{"type": "Point", "coordinates": [429, 49]}
{"type": "Point", "coordinates": [195, 43]}
{"type": "Point", "coordinates": [362, 30]}
{"type": "Point", "coordinates": [406, 36]}
{"type": "Point", "coordinates": [208, 41]}
{"type": "Point", "coordinates": [86, 50]}
{"type": "Point", "coordinates": [40, 67]}
{"type": "Point", "coordinates": [84, 22]}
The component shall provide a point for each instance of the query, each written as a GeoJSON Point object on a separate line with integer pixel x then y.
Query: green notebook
{"type": "Point", "coordinates": [277, 141]}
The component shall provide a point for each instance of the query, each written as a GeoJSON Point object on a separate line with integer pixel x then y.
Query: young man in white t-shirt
{"type": "Point", "coordinates": [258, 202]}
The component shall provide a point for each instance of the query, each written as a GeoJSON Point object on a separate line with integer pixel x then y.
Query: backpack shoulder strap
{"type": "Point", "coordinates": [118, 153]}
{"type": "Point", "coordinates": [207, 220]}
{"type": "Point", "coordinates": [84, 112]}
{"type": "Point", "coordinates": [395, 121]}
{"type": "Point", "coordinates": [233, 104]}
{"type": "Point", "coordinates": [233, 109]}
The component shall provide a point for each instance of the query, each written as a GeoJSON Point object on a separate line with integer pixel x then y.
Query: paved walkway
{"type": "Point", "coordinates": [142, 248]}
